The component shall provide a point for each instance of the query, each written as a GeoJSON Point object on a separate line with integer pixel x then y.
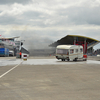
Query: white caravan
{"type": "Point", "coordinates": [70, 52]}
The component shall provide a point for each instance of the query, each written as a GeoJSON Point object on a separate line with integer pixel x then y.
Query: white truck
{"type": "Point", "coordinates": [70, 52]}
{"type": "Point", "coordinates": [11, 53]}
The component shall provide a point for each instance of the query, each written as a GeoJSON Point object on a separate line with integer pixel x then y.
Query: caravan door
{"type": "Point", "coordinates": [71, 54]}
{"type": "Point", "coordinates": [74, 54]}
{"type": "Point", "coordinates": [80, 53]}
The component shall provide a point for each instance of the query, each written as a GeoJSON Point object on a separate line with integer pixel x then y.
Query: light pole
{"type": "Point", "coordinates": [20, 49]}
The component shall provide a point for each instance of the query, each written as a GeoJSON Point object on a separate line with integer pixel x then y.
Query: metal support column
{"type": "Point", "coordinates": [84, 46]}
{"type": "Point", "coordinates": [74, 40]}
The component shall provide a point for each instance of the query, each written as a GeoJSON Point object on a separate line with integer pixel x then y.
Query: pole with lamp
{"type": "Point", "coordinates": [20, 49]}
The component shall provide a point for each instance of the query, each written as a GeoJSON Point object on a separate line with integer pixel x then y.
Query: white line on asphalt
{"type": "Point", "coordinates": [9, 70]}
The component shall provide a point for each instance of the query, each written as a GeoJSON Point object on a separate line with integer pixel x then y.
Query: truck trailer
{"type": "Point", "coordinates": [4, 52]}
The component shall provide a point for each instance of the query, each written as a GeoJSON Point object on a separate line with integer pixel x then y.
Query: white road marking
{"type": "Point", "coordinates": [9, 70]}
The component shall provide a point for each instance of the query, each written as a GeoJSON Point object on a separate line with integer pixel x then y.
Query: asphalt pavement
{"type": "Point", "coordinates": [45, 78]}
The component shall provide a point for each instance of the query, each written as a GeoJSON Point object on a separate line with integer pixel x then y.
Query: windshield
{"type": "Point", "coordinates": [62, 51]}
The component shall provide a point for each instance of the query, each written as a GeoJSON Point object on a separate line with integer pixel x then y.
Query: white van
{"type": "Point", "coordinates": [11, 53]}
{"type": "Point", "coordinates": [70, 52]}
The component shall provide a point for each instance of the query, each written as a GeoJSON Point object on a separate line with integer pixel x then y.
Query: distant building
{"type": "Point", "coordinates": [7, 43]}
{"type": "Point", "coordinates": [11, 45]}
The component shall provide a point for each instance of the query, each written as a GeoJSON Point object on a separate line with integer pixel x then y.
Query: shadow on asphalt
{"type": "Point", "coordinates": [71, 61]}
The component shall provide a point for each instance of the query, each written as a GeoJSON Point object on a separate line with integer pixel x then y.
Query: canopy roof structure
{"type": "Point", "coordinates": [70, 39]}
{"type": "Point", "coordinates": [12, 38]}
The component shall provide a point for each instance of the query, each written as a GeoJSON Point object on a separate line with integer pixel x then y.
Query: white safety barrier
{"type": "Point", "coordinates": [24, 57]}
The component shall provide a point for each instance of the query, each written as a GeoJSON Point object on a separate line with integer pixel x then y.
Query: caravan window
{"type": "Point", "coordinates": [71, 51]}
{"type": "Point", "coordinates": [62, 51]}
{"type": "Point", "coordinates": [81, 50]}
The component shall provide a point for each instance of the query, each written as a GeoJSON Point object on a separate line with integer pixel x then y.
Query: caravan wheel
{"type": "Point", "coordinates": [68, 59]}
{"type": "Point", "coordinates": [75, 59]}
{"type": "Point", "coordinates": [84, 59]}
{"type": "Point", "coordinates": [63, 59]}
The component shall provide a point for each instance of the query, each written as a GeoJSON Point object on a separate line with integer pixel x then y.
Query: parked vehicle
{"type": "Point", "coordinates": [70, 52]}
{"type": "Point", "coordinates": [11, 53]}
{"type": "Point", "coordinates": [4, 52]}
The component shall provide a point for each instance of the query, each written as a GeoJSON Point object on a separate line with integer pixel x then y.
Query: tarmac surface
{"type": "Point", "coordinates": [46, 78]}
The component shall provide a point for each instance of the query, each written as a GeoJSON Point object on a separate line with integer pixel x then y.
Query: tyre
{"type": "Point", "coordinates": [75, 59]}
{"type": "Point", "coordinates": [63, 59]}
{"type": "Point", "coordinates": [68, 59]}
{"type": "Point", "coordinates": [84, 59]}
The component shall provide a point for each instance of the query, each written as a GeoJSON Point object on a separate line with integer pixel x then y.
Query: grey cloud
{"type": "Point", "coordinates": [62, 17]}
{"type": "Point", "coordinates": [36, 19]}
{"type": "Point", "coordinates": [32, 18]}
{"type": "Point", "coordinates": [81, 15]}
{"type": "Point", "coordinates": [32, 14]}
{"type": "Point", "coordinates": [76, 15]}
{"type": "Point", "coordinates": [14, 1]}
{"type": "Point", "coordinates": [8, 20]}
{"type": "Point", "coordinates": [5, 20]}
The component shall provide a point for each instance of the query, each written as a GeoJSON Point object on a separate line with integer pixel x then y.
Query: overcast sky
{"type": "Point", "coordinates": [43, 20]}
